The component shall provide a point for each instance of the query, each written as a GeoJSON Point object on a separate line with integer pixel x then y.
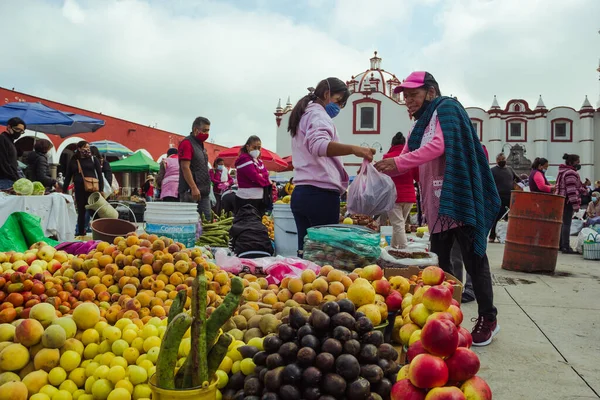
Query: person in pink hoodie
{"type": "Point", "coordinates": [168, 177]}
{"type": "Point", "coordinates": [254, 186]}
{"type": "Point", "coordinates": [319, 173]}
{"type": "Point", "coordinates": [221, 181]}
{"type": "Point", "coordinates": [406, 194]}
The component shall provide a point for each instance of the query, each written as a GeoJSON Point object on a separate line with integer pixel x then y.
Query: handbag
{"type": "Point", "coordinates": [90, 185]}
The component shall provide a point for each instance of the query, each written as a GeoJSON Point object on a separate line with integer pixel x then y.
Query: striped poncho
{"type": "Point", "coordinates": [469, 196]}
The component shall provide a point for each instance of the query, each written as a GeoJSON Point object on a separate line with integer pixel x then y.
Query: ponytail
{"type": "Point", "coordinates": [538, 161]}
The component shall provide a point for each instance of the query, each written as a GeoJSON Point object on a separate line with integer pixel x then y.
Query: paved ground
{"type": "Point", "coordinates": [549, 343]}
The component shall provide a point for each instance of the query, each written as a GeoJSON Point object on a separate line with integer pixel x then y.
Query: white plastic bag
{"type": "Point", "coordinates": [582, 237]}
{"type": "Point", "coordinates": [371, 193]}
{"type": "Point", "coordinates": [576, 226]}
{"type": "Point", "coordinates": [501, 229]}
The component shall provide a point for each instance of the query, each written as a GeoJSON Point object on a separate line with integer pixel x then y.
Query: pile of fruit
{"type": "Point", "coordinates": [270, 224]}
{"type": "Point", "coordinates": [331, 353]}
{"type": "Point", "coordinates": [361, 220]}
{"type": "Point", "coordinates": [215, 233]}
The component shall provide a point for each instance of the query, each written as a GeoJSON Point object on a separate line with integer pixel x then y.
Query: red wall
{"type": "Point", "coordinates": [129, 134]}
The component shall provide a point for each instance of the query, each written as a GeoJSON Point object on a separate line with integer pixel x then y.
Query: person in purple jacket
{"type": "Point", "coordinates": [254, 186]}
{"type": "Point", "coordinates": [319, 173]}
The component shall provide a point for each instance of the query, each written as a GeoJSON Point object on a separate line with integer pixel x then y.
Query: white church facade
{"type": "Point", "coordinates": [373, 115]}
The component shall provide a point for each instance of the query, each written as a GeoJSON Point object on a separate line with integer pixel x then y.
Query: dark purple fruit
{"type": "Point", "coordinates": [334, 385]}
{"type": "Point", "coordinates": [311, 376]}
{"type": "Point", "coordinates": [292, 374]}
{"type": "Point", "coordinates": [274, 379]}
{"type": "Point", "coordinates": [289, 392]}
{"type": "Point", "coordinates": [346, 306]}
{"type": "Point", "coordinates": [325, 362]}
{"type": "Point", "coordinates": [360, 389]}
{"type": "Point", "coordinates": [355, 335]}
{"type": "Point", "coordinates": [391, 368]}
{"type": "Point", "coordinates": [251, 398]}
{"type": "Point", "coordinates": [269, 396]}
{"type": "Point", "coordinates": [326, 397]}
{"type": "Point", "coordinates": [363, 325]}
{"type": "Point", "coordinates": [236, 382]}
{"type": "Point", "coordinates": [247, 351]}
{"type": "Point", "coordinates": [352, 347]}
{"type": "Point", "coordinates": [374, 337]}
{"type": "Point", "coordinates": [272, 343]}
{"type": "Point", "coordinates": [343, 319]}
{"type": "Point", "coordinates": [252, 387]}
{"type": "Point", "coordinates": [342, 333]}
{"type": "Point", "coordinates": [332, 346]}
{"type": "Point", "coordinates": [372, 373]}
{"type": "Point", "coordinates": [319, 320]}
{"type": "Point", "coordinates": [347, 367]}
{"type": "Point", "coordinates": [239, 395]}
{"type": "Point", "coordinates": [297, 318]}
{"type": "Point", "coordinates": [228, 394]}
{"type": "Point", "coordinates": [383, 388]}
{"type": "Point", "coordinates": [359, 314]}
{"type": "Point", "coordinates": [310, 341]}
{"type": "Point", "coordinates": [305, 330]}
{"type": "Point", "coordinates": [260, 358]}
{"type": "Point", "coordinates": [331, 308]}
{"type": "Point", "coordinates": [262, 374]}
{"type": "Point", "coordinates": [274, 360]}
{"type": "Point", "coordinates": [311, 393]}
{"type": "Point", "coordinates": [388, 352]}
{"type": "Point", "coordinates": [375, 396]}
{"type": "Point", "coordinates": [288, 351]}
{"type": "Point", "coordinates": [306, 357]}
{"type": "Point", "coordinates": [286, 333]}
{"type": "Point", "coordinates": [368, 354]}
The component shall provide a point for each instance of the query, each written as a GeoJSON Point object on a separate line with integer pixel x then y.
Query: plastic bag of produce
{"type": "Point", "coordinates": [393, 258]}
{"type": "Point", "coordinates": [371, 193]}
{"type": "Point", "coordinates": [21, 230]}
{"type": "Point", "coordinates": [23, 186]}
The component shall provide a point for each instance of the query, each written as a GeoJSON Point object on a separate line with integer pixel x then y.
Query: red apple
{"type": "Point", "coordinates": [449, 286]}
{"type": "Point", "coordinates": [456, 313]}
{"type": "Point", "coordinates": [465, 338]}
{"type": "Point", "coordinates": [437, 298]}
{"type": "Point", "coordinates": [427, 371]}
{"type": "Point", "coordinates": [462, 365]}
{"type": "Point", "coordinates": [414, 350]}
{"type": "Point", "coordinates": [445, 393]}
{"type": "Point", "coordinates": [433, 276]}
{"type": "Point", "coordinates": [419, 314]}
{"type": "Point", "coordinates": [476, 389]}
{"type": "Point", "coordinates": [441, 315]}
{"type": "Point", "coordinates": [393, 300]}
{"type": "Point", "coordinates": [382, 287]}
{"type": "Point", "coordinates": [372, 272]}
{"type": "Point", "coordinates": [440, 337]}
{"type": "Point", "coordinates": [404, 390]}
{"type": "Point", "coordinates": [455, 303]}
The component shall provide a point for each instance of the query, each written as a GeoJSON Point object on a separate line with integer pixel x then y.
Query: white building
{"type": "Point", "coordinates": [373, 115]}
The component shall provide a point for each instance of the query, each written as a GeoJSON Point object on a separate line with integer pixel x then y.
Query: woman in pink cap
{"type": "Point", "coordinates": [459, 197]}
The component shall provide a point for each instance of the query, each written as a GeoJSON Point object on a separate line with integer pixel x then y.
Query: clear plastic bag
{"type": "Point", "coordinates": [371, 193]}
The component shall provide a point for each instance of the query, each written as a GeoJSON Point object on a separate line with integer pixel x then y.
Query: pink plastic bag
{"type": "Point", "coordinates": [371, 193]}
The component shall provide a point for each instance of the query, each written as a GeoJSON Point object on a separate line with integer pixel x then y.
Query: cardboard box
{"type": "Point", "coordinates": [410, 271]}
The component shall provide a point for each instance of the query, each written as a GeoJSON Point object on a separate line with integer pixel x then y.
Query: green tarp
{"type": "Point", "coordinates": [20, 231]}
{"type": "Point", "coordinates": [137, 162]}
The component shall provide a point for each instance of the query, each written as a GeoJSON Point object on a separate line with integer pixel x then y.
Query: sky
{"type": "Point", "coordinates": [163, 63]}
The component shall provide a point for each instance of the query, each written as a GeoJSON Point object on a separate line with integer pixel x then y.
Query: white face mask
{"type": "Point", "coordinates": [220, 167]}
{"type": "Point", "coordinates": [594, 199]}
{"type": "Point", "coordinates": [255, 153]}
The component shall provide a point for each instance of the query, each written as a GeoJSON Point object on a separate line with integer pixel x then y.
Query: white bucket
{"type": "Point", "coordinates": [177, 221]}
{"type": "Point", "coordinates": [286, 233]}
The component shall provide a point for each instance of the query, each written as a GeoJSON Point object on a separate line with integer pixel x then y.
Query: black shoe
{"type": "Point", "coordinates": [568, 251]}
{"type": "Point", "coordinates": [467, 297]}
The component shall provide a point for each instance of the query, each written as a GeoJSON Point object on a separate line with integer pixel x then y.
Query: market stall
{"type": "Point", "coordinates": [56, 210]}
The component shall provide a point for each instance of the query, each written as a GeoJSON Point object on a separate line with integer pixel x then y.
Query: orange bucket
{"type": "Point", "coordinates": [533, 235]}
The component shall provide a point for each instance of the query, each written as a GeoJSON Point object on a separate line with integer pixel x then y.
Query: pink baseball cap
{"type": "Point", "coordinates": [418, 79]}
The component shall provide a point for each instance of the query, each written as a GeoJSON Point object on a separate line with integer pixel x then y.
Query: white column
{"type": "Point", "coordinates": [496, 140]}
{"type": "Point", "coordinates": [586, 146]}
{"type": "Point", "coordinates": [542, 138]}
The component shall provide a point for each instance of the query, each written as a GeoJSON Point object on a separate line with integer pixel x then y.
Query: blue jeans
{"type": "Point", "coordinates": [313, 206]}
{"type": "Point", "coordinates": [6, 184]}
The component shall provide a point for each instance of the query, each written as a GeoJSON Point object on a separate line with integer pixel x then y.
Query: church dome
{"type": "Point", "coordinates": [375, 79]}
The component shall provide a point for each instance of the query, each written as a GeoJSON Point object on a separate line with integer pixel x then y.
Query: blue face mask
{"type": "Point", "coordinates": [333, 109]}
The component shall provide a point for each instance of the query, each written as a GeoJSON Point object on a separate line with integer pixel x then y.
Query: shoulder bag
{"type": "Point", "coordinates": [90, 185]}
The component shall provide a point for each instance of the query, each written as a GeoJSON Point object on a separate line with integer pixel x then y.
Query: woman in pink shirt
{"type": "Point", "coordinates": [319, 173]}
{"type": "Point", "coordinates": [168, 177]}
{"type": "Point", "coordinates": [537, 178]}
{"type": "Point", "coordinates": [254, 186]}
{"type": "Point", "coordinates": [457, 188]}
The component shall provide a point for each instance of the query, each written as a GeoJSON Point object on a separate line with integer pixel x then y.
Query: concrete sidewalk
{"type": "Point", "coordinates": [549, 343]}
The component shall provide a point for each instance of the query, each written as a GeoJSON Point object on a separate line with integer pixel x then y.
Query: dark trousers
{"type": "Point", "coordinates": [565, 231]}
{"type": "Point", "coordinates": [170, 199]}
{"type": "Point", "coordinates": [217, 207]}
{"type": "Point", "coordinates": [313, 206]}
{"type": "Point", "coordinates": [456, 261]}
{"type": "Point", "coordinates": [505, 204]}
{"type": "Point", "coordinates": [81, 200]}
{"type": "Point", "coordinates": [477, 267]}
{"type": "Point", "coordinates": [259, 204]}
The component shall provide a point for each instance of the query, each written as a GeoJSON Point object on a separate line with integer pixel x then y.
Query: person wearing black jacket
{"type": "Point", "coordinates": [106, 169]}
{"type": "Point", "coordinates": [38, 169]}
{"type": "Point", "coordinates": [249, 237]}
{"type": "Point", "coordinates": [90, 167]}
{"type": "Point", "coordinates": [9, 167]}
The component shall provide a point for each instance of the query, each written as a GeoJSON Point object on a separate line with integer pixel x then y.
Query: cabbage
{"type": "Point", "coordinates": [38, 189]}
{"type": "Point", "coordinates": [23, 186]}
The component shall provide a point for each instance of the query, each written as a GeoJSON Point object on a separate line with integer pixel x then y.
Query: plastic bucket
{"type": "Point", "coordinates": [177, 221]}
{"type": "Point", "coordinates": [209, 393]}
{"type": "Point", "coordinates": [107, 229]}
{"type": "Point", "coordinates": [286, 233]}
